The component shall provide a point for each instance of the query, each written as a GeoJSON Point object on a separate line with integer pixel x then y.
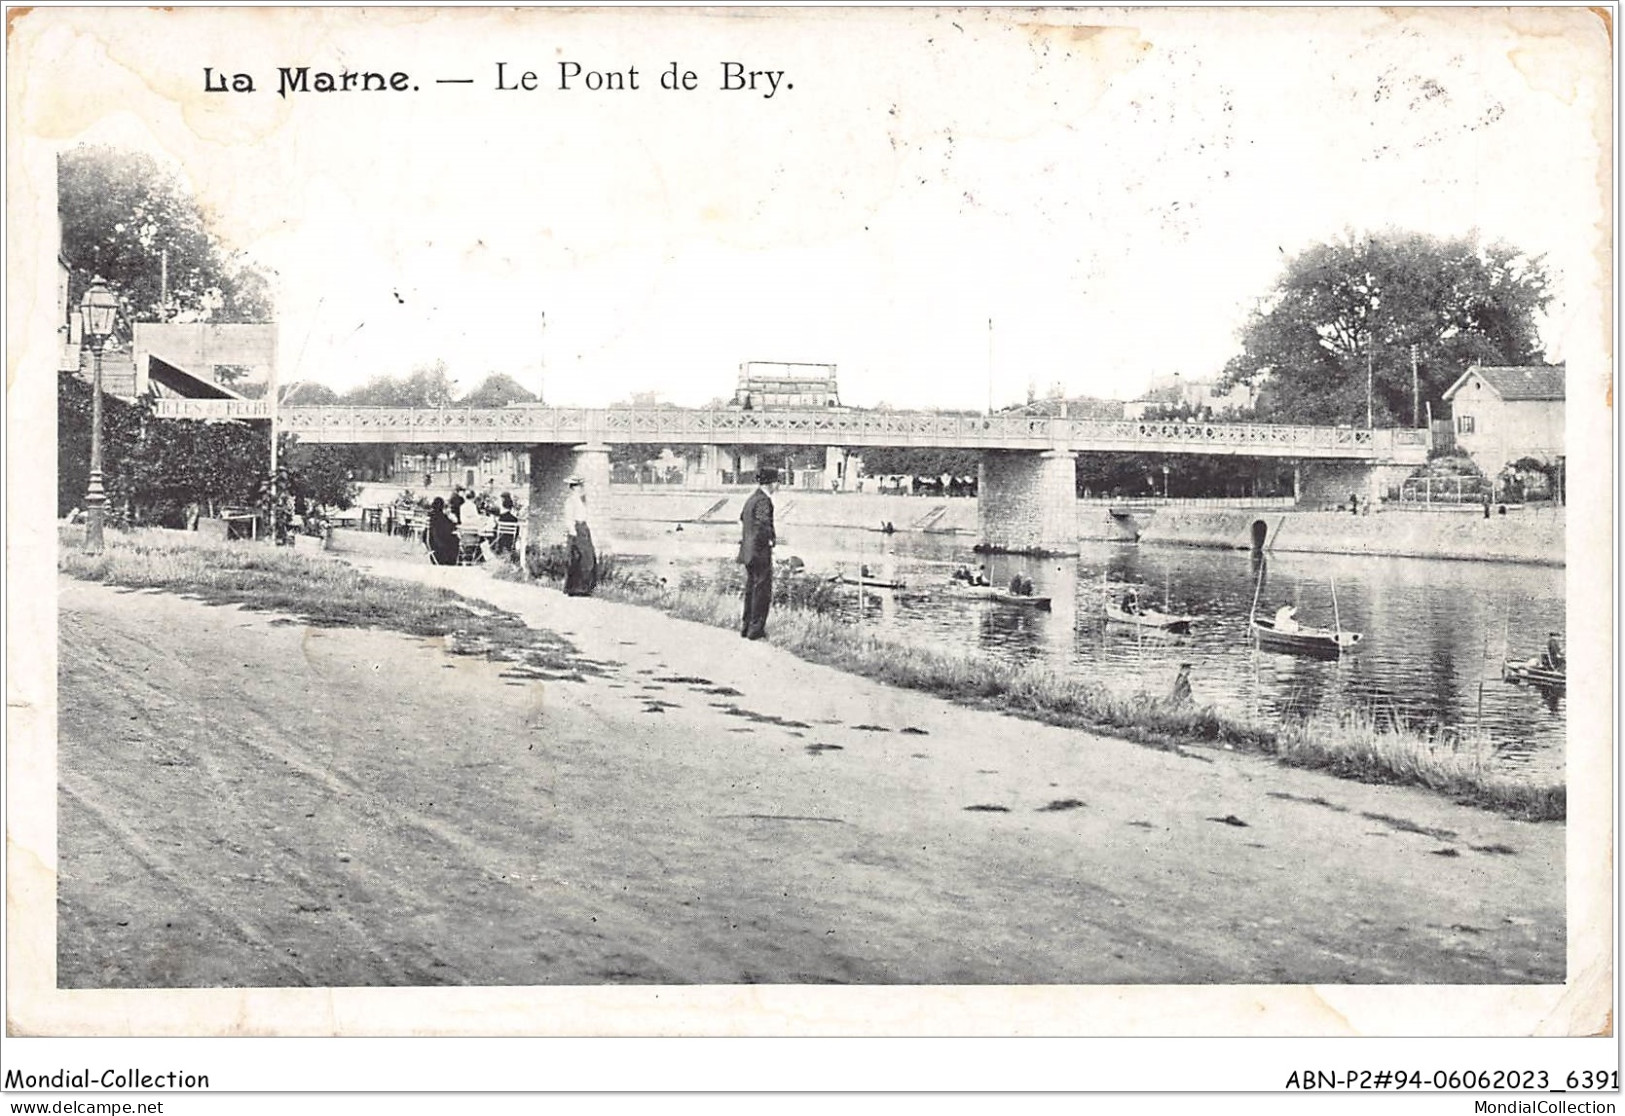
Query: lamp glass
{"type": "Point", "coordinates": [100, 307]}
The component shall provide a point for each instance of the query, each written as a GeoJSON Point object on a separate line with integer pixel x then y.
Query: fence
{"type": "Point", "coordinates": [1445, 490]}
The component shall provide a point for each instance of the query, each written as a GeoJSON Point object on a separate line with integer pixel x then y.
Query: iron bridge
{"type": "Point", "coordinates": [531, 425]}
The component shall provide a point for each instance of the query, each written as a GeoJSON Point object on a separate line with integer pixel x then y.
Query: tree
{"type": "Point", "coordinates": [307, 393]}
{"type": "Point", "coordinates": [154, 467]}
{"type": "Point", "coordinates": [910, 461]}
{"type": "Point", "coordinates": [1340, 305]}
{"type": "Point", "coordinates": [322, 474]}
{"type": "Point", "coordinates": [498, 390]}
{"type": "Point", "coordinates": [428, 385]}
{"type": "Point", "coordinates": [121, 212]}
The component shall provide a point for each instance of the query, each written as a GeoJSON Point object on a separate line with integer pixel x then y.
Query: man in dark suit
{"type": "Point", "coordinates": [756, 553]}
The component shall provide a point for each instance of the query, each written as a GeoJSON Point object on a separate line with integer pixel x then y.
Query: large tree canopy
{"type": "Point", "coordinates": [121, 212]}
{"type": "Point", "coordinates": [1375, 297]}
{"type": "Point", "coordinates": [498, 390]}
{"type": "Point", "coordinates": [428, 385]}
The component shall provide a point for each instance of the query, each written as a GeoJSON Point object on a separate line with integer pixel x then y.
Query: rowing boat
{"type": "Point", "coordinates": [1150, 618]}
{"type": "Point", "coordinates": [867, 582]}
{"type": "Point", "coordinates": [1532, 672]}
{"type": "Point", "coordinates": [1325, 643]}
{"type": "Point", "coordinates": [1305, 641]}
{"type": "Point", "coordinates": [999, 596]}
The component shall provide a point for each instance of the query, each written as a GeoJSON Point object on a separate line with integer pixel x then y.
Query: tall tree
{"type": "Point", "coordinates": [498, 390]}
{"type": "Point", "coordinates": [428, 385]}
{"type": "Point", "coordinates": [1364, 302]}
{"type": "Point", "coordinates": [121, 213]}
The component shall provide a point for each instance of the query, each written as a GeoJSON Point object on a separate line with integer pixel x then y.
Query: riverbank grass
{"type": "Point", "coordinates": [310, 588]}
{"type": "Point", "coordinates": [318, 590]}
{"type": "Point", "coordinates": [1350, 745]}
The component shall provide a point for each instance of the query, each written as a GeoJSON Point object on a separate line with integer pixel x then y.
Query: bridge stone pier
{"type": "Point", "coordinates": [1027, 503]}
{"type": "Point", "coordinates": [550, 466]}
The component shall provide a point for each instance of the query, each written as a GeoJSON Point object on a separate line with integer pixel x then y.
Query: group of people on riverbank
{"type": "Point", "coordinates": [463, 516]}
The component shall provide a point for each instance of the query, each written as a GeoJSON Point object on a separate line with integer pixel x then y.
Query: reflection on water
{"type": "Point", "coordinates": [1435, 631]}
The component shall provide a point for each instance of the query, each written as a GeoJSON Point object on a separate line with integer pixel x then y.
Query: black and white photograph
{"type": "Point", "coordinates": [811, 522]}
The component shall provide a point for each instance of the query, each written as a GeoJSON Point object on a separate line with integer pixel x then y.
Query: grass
{"type": "Point", "coordinates": [313, 589]}
{"type": "Point", "coordinates": [324, 592]}
{"type": "Point", "coordinates": [1350, 745]}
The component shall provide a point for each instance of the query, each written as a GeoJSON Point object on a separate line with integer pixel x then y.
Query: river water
{"type": "Point", "coordinates": [1435, 632]}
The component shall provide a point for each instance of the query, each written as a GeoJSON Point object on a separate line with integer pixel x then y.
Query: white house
{"type": "Point", "coordinates": [1504, 414]}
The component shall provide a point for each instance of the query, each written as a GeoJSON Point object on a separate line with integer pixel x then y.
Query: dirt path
{"type": "Point", "coordinates": [245, 802]}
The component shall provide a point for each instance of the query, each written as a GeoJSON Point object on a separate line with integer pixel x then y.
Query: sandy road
{"type": "Point", "coordinates": [245, 802]}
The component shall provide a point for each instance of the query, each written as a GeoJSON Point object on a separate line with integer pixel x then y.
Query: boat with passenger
{"type": "Point", "coordinates": [1283, 632]}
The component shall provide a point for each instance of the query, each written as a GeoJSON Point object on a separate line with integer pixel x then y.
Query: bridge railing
{"type": "Point", "coordinates": [1239, 434]}
{"type": "Point", "coordinates": [812, 427]}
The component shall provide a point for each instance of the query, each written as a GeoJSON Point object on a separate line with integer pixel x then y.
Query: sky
{"type": "Point", "coordinates": [1112, 191]}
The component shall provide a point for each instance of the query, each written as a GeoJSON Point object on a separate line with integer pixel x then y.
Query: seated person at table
{"type": "Point", "coordinates": [442, 534]}
{"type": "Point", "coordinates": [474, 520]}
{"type": "Point", "coordinates": [504, 544]}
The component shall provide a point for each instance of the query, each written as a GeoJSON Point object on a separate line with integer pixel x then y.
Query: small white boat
{"type": "Point", "coordinates": [1149, 618]}
{"type": "Point", "coordinates": [999, 596]}
{"type": "Point", "coordinates": [1533, 672]}
{"type": "Point", "coordinates": [868, 582]}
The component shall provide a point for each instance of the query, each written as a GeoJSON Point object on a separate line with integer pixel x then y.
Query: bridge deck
{"type": "Point", "coordinates": [855, 429]}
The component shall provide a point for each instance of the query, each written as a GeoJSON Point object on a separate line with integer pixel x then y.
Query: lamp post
{"type": "Point", "coordinates": [1165, 482]}
{"type": "Point", "coordinates": [99, 307]}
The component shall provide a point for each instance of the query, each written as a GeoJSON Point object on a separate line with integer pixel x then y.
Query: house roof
{"type": "Point", "coordinates": [1517, 382]}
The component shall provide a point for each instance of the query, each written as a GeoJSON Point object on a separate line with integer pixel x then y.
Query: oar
{"type": "Point", "coordinates": [1257, 587]}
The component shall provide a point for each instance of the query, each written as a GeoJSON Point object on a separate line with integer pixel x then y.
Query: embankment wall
{"type": "Point", "coordinates": [1229, 528]}
{"type": "Point", "coordinates": [1522, 535]}
{"type": "Point", "coordinates": [801, 506]}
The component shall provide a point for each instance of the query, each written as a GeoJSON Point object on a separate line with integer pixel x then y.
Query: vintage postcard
{"type": "Point", "coordinates": [912, 522]}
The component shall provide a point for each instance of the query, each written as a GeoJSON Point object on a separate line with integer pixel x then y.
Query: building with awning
{"type": "Point", "coordinates": [204, 360]}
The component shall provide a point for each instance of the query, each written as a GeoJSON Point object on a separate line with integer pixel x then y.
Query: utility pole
{"type": "Point", "coordinates": [989, 410]}
{"type": "Point", "coordinates": [1370, 422]}
{"type": "Point", "coordinates": [1415, 393]}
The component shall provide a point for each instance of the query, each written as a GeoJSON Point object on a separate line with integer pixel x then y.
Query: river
{"type": "Point", "coordinates": [1435, 632]}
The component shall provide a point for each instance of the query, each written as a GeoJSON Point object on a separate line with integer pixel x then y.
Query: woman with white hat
{"type": "Point", "coordinates": [581, 575]}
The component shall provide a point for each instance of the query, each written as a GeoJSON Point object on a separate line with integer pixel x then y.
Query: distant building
{"type": "Point", "coordinates": [780, 386]}
{"type": "Point", "coordinates": [1176, 392]}
{"type": "Point", "coordinates": [1504, 414]}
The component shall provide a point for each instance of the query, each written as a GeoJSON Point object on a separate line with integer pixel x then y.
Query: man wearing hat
{"type": "Point", "coordinates": [581, 574]}
{"type": "Point", "coordinates": [756, 553]}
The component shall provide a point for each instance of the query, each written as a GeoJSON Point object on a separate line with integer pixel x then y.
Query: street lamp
{"type": "Point", "coordinates": [1165, 482]}
{"type": "Point", "coordinates": [99, 308]}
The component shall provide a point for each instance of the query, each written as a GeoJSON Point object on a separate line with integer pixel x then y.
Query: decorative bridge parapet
{"type": "Point", "coordinates": [856, 429]}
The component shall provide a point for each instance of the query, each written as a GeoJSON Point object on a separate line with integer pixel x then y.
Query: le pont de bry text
{"type": "Point", "coordinates": [564, 77]}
